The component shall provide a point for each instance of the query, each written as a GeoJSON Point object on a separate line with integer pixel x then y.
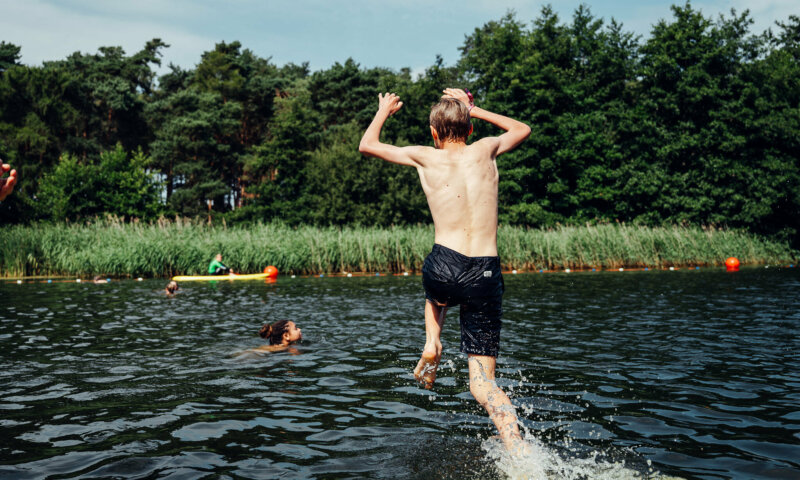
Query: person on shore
{"type": "Point", "coordinates": [216, 267]}
{"type": "Point", "coordinates": [460, 182]}
{"type": "Point", "coordinates": [7, 183]}
{"type": "Point", "coordinates": [172, 287]}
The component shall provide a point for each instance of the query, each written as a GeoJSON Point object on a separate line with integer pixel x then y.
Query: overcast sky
{"type": "Point", "coordinates": [391, 33]}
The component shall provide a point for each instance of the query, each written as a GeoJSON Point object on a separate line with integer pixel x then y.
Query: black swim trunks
{"type": "Point", "coordinates": [476, 284]}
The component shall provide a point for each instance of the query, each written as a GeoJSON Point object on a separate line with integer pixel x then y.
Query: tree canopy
{"type": "Point", "coordinates": [698, 123]}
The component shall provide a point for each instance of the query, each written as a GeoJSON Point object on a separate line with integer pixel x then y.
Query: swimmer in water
{"type": "Point", "coordinates": [280, 335]}
{"type": "Point", "coordinates": [460, 182]}
{"type": "Point", "coordinates": [172, 287]}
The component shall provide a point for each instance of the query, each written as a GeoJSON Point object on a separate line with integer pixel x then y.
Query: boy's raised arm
{"type": "Point", "coordinates": [371, 145]}
{"type": "Point", "coordinates": [516, 131]}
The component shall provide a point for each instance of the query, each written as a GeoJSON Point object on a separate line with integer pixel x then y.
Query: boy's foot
{"type": "Point", "coordinates": [518, 447]}
{"type": "Point", "coordinates": [425, 372]}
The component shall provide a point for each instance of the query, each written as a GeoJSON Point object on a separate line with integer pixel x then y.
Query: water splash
{"type": "Point", "coordinates": [542, 463]}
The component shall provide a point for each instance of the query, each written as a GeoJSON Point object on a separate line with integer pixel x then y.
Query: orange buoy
{"type": "Point", "coordinates": [732, 264]}
{"type": "Point", "coordinates": [271, 271]}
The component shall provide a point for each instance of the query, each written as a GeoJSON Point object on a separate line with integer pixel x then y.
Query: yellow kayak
{"type": "Point", "coordinates": [201, 278]}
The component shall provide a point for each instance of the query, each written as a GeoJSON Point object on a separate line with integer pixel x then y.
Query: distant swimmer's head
{"type": "Point", "coordinates": [172, 287]}
{"type": "Point", "coordinates": [282, 332]}
{"type": "Point", "coordinates": [450, 121]}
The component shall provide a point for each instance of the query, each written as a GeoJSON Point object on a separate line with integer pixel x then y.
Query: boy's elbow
{"type": "Point", "coordinates": [523, 132]}
{"type": "Point", "coordinates": [369, 148]}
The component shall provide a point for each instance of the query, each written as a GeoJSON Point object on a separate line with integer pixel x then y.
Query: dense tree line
{"type": "Point", "coordinates": [698, 123]}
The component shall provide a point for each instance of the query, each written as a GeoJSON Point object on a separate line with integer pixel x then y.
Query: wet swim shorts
{"type": "Point", "coordinates": [476, 284]}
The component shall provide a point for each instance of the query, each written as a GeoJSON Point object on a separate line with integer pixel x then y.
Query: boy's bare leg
{"type": "Point", "coordinates": [425, 371]}
{"type": "Point", "coordinates": [483, 387]}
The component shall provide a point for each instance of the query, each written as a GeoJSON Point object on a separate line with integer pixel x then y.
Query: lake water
{"type": "Point", "coordinates": [694, 374]}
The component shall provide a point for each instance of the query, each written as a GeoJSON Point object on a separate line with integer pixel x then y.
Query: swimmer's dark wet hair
{"type": "Point", "coordinates": [450, 118]}
{"type": "Point", "coordinates": [274, 333]}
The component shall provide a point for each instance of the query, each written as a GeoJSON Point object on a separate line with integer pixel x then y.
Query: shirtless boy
{"type": "Point", "coordinates": [460, 183]}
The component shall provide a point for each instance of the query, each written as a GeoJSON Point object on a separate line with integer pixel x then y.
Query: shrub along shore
{"type": "Point", "coordinates": [169, 248]}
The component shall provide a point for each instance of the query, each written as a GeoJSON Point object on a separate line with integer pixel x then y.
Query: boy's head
{"type": "Point", "coordinates": [450, 121]}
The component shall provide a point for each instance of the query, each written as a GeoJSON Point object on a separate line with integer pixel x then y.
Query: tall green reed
{"type": "Point", "coordinates": [167, 248]}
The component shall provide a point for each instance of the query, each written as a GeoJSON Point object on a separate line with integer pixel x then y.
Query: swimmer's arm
{"type": "Point", "coordinates": [371, 144]}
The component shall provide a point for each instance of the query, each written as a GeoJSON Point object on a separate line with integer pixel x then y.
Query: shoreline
{"type": "Point", "coordinates": [165, 249]}
{"type": "Point", "coordinates": [689, 268]}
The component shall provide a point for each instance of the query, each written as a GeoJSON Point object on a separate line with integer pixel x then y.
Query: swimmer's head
{"type": "Point", "coordinates": [282, 332]}
{"type": "Point", "coordinates": [172, 287]}
{"type": "Point", "coordinates": [449, 121]}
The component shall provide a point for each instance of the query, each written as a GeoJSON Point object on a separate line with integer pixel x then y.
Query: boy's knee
{"type": "Point", "coordinates": [478, 396]}
{"type": "Point", "coordinates": [480, 390]}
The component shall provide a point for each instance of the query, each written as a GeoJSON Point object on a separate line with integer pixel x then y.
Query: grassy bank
{"type": "Point", "coordinates": [182, 247]}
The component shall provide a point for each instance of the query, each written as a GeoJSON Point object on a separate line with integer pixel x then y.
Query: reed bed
{"type": "Point", "coordinates": [184, 247]}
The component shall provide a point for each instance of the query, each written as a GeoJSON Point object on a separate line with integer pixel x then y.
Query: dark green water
{"type": "Point", "coordinates": [694, 374]}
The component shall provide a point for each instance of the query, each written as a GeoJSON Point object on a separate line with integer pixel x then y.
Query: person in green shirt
{"type": "Point", "coordinates": [216, 267]}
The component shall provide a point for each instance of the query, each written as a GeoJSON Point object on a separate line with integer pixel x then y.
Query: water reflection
{"type": "Point", "coordinates": [615, 374]}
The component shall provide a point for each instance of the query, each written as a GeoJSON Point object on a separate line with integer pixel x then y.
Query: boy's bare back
{"type": "Point", "coordinates": [460, 183]}
{"type": "Point", "coordinates": [459, 180]}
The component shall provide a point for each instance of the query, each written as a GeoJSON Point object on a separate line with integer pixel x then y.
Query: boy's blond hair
{"type": "Point", "coordinates": [450, 118]}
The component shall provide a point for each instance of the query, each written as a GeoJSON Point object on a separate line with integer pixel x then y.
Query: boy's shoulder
{"type": "Point", "coordinates": [487, 145]}
{"type": "Point", "coordinates": [420, 152]}
{"type": "Point", "coordinates": [486, 141]}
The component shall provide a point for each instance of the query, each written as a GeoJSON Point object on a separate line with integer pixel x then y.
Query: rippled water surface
{"type": "Point", "coordinates": [694, 374]}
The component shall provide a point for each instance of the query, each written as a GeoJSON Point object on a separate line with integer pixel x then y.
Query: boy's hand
{"type": "Point", "coordinates": [6, 184]}
{"type": "Point", "coordinates": [458, 94]}
{"type": "Point", "coordinates": [389, 103]}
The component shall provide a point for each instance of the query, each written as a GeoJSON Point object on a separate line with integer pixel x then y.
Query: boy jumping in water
{"type": "Point", "coordinates": [460, 183]}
